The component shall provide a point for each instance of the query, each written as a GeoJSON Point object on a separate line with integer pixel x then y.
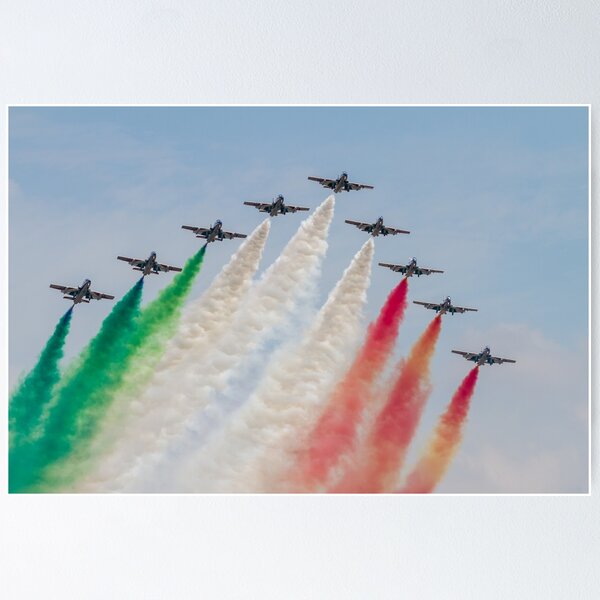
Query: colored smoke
{"type": "Point", "coordinates": [258, 446]}
{"type": "Point", "coordinates": [286, 285]}
{"type": "Point", "coordinates": [336, 430]}
{"type": "Point", "coordinates": [32, 396]}
{"type": "Point", "coordinates": [167, 402]}
{"type": "Point", "coordinates": [444, 441]}
{"type": "Point", "coordinates": [72, 411]}
{"type": "Point", "coordinates": [384, 450]}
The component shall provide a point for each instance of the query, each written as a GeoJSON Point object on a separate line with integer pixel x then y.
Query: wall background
{"type": "Point", "coordinates": [299, 547]}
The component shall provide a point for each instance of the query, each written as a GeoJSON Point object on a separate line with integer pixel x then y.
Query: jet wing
{"type": "Point", "coordinates": [429, 305]}
{"type": "Point", "coordinates": [230, 235]}
{"type": "Point", "coordinates": [392, 231]}
{"type": "Point", "coordinates": [360, 186]}
{"type": "Point", "coordinates": [328, 183]}
{"type": "Point", "coordinates": [259, 205]}
{"type": "Point", "coordinates": [134, 262]}
{"type": "Point", "coordinates": [397, 268]}
{"type": "Point", "coordinates": [362, 226]}
{"type": "Point", "coordinates": [468, 355]}
{"type": "Point", "coordinates": [499, 361]}
{"type": "Point", "coordinates": [167, 268]}
{"type": "Point", "coordinates": [295, 208]}
{"type": "Point", "coordinates": [64, 289]}
{"type": "Point", "coordinates": [196, 230]}
{"type": "Point", "coordinates": [462, 309]}
{"type": "Point", "coordinates": [424, 271]}
{"type": "Point", "coordinates": [99, 295]}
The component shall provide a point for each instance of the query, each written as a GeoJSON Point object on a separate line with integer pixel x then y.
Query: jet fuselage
{"type": "Point", "coordinates": [150, 266]}
{"type": "Point", "coordinates": [215, 232]}
{"type": "Point", "coordinates": [81, 294]}
{"type": "Point", "coordinates": [341, 183]}
{"type": "Point", "coordinates": [277, 206]}
{"type": "Point", "coordinates": [484, 357]}
{"type": "Point", "coordinates": [378, 227]}
{"type": "Point", "coordinates": [445, 306]}
{"type": "Point", "coordinates": [411, 267]}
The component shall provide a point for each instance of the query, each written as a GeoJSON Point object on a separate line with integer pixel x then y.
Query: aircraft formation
{"type": "Point", "coordinates": [278, 206]}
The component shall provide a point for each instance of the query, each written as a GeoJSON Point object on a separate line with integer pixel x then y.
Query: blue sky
{"type": "Point", "coordinates": [497, 197]}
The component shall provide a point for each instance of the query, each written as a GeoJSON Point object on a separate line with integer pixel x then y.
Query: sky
{"type": "Point", "coordinates": [497, 197]}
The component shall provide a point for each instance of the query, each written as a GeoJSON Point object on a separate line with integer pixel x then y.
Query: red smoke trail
{"type": "Point", "coordinates": [335, 432]}
{"type": "Point", "coordinates": [444, 442]}
{"type": "Point", "coordinates": [385, 448]}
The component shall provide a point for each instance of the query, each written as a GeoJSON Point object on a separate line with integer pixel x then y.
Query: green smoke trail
{"type": "Point", "coordinates": [142, 344]}
{"type": "Point", "coordinates": [156, 325]}
{"type": "Point", "coordinates": [31, 397]}
{"type": "Point", "coordinates": [158, 320]}
{"type": "Point", "coordinates": [98, 368]}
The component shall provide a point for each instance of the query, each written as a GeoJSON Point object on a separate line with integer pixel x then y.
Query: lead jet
{"type": "Point", "coordinates": [377, 228]}
{"type": "Point", "coordinates": [148, 266]}
{"type": "Point", "coordinates": [83, 293]}
{"type": "Point", "coordinates": [277, 207]}
{"type": "Point", "coordinates": [341, 184]}
{"type": "Point", "coordinates": [484, 357]}
{"type": "Point", "coordinates": [214, 233]}
{"type": "Point", "coordinates": [445, 307]}
{"type": "Point", "coordinates": [410, 269]}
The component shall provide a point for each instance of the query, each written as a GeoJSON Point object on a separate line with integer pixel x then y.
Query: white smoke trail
{"type": "Point", "coordinates": [257, 447]}
{"type": "Point", "coordinates": [203, 322]}
{"type": "Point", "coordinates": [199, 328]}
{"type": "Point", "coordinates": [192, 385]}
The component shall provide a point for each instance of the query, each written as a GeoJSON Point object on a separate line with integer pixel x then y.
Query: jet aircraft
{"type": "Point", "coordinates": [148, 266]}
{"type": "Point", "coordinates": [484, 357]}
{"type": "Point", "coordinates": [341, 184]}
{"type": "Point", "coordinates": [277, 207]}
{"type": "Point", "coordinates": [410, 269]}
{"type": "Point", "coordinates": [83, 293]}
{"type": "Point", "coordinates": [445, 307]}
{"type": "Point", "coordinates": [376, 228]}
{"type": "Point", "coordinates": [214, 233]}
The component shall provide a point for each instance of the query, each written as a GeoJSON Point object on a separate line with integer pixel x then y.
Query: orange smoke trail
{"type": "Point", "coordinates": [444, 442]}
{"type": "Point", "coordinates": [335, 432]}
{"type": "Point", "coordinates": [385, 447]}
